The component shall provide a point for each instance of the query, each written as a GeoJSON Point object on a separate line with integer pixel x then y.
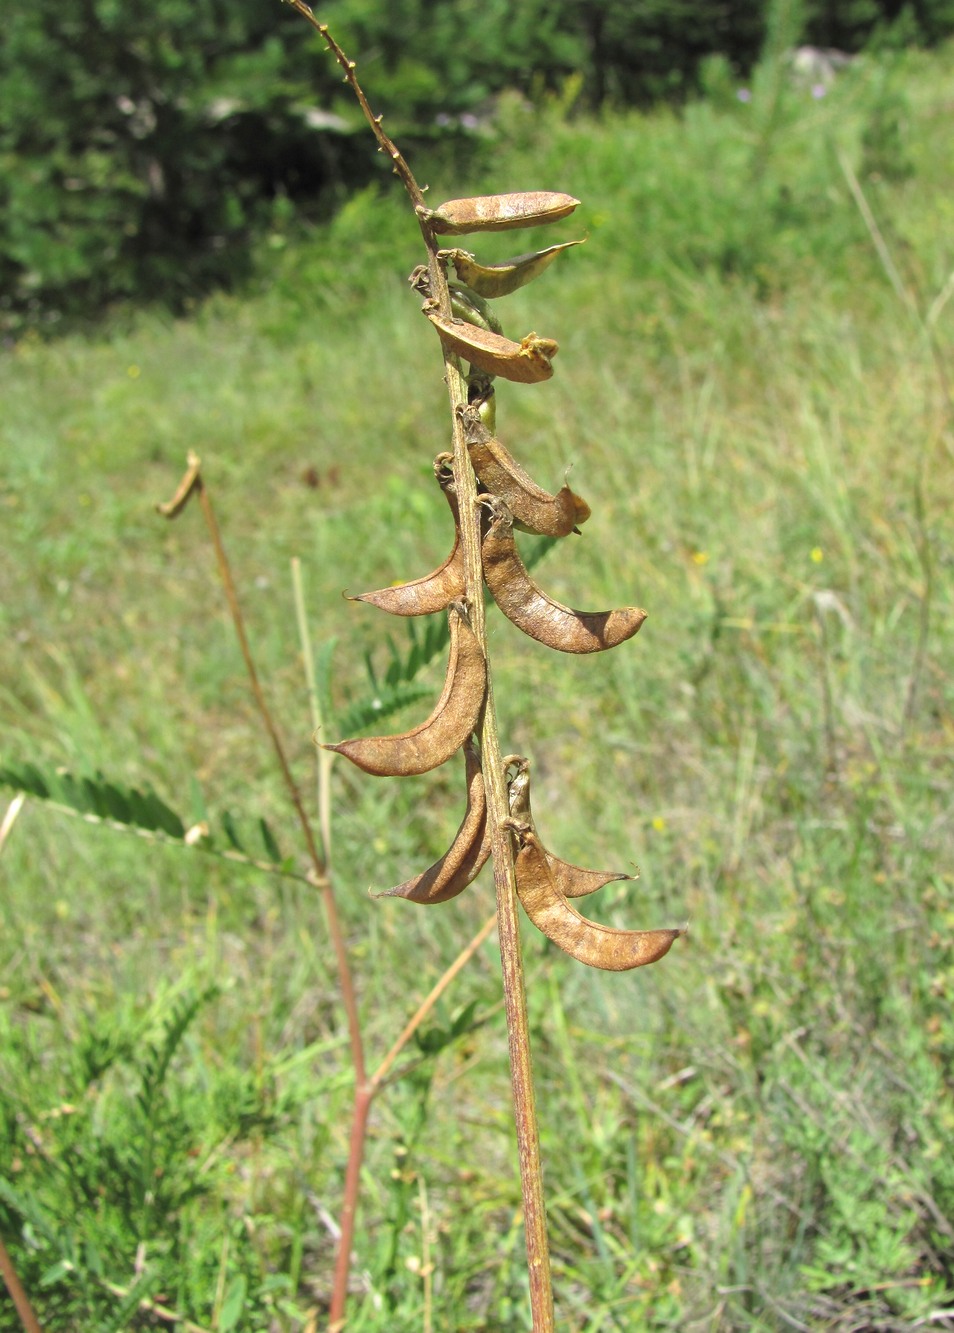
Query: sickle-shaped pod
{"type": "Point", "coordinates": [538, 615]}
{"type": "Point", "coordinates": [571, 881]}
{"type": "Point", "coordinates": [465, 858]}
{"type": "Point", "coordinates": [538, 510]}
{"type": "Point", "coordinates": [493, 280]}
{"type": "Point", "coordinates": [498, 212]}
{"type": "Point", "coordinates": [447, 728]}
{"type": "Point", "coordinates": [587, 941]}
{"type": "Point", "coordinates": [525, 362]}
{"type": "Point", "coordinates": [435, 591]}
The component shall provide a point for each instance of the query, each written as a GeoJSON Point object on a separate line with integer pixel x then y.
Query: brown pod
{"type": "Point", "coordinates": [572, 881]}
{"type": "Point", "coordinates": [538, 615]}
{"type": "Point", "coordinates": [525, 362]}
{"type": "Point", "coordinates": [498, 212]}
{"type": "Point", "coordinates": [435, 591]}
{"type": "Point", "coordinates": [587, 941]}
{"type": "Point", "coordinates": [465, 858]}
{"type": "Point", "coordinates": [494, 280]}
{"type": "Point", "coordinates": [447, 728]}
{"type": "Point", "coordinates": [538, 510]}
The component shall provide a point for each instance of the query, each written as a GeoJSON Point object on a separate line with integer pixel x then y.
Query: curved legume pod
{"type": "Point", "coordinates": [447, 728]}
{"type": "Point", "coordinates": [471, 308]}
{"type": "Point", "coordinates": [587, 941]}
{"type": "Point", "coordinates": [538, 615]}
{"type": "Point", "coordinates": [572, 881]}
{"type": "Point", "coordinates": [465, 858]}
{"type": "Point", "coordinates": [434, 591]}
{"type": "Point", "coordinates": [494, 280]}
{"type": "Point", "coordinates": [498, 212]}
{"type": "Point", "coordinates": [532, 506]}
{"type": "Point", "coordinates": [525, 362]}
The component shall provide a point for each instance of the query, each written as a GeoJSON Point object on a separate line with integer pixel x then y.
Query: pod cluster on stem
{"type": "Point", "coordinates": [508, 499]}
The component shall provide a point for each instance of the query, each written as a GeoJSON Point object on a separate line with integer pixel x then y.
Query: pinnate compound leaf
{"type": "Point", "coordinates": [26, 778]}
{"type": "Point", "coordinates": [272, 850]}
{"type": "Point", "coordinates": [369, 711]}
{"type": "Point", "coordinates": [433, 1040]}
{"type": "Point", "coordinates": [96, 798]}
{"type": "Point", "coordinates": [230, 830]}
{"type": "Point", "coordinates": [399, 687]}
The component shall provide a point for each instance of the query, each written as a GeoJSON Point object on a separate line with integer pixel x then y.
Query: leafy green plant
{"type": "Point", "coordinates": [150, 1157]}
{"type": "Point", "coordinates": [778, 762]}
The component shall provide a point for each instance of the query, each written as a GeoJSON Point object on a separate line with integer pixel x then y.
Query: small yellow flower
{"type": "Point", "coordinates": [700, 557]}
{"type": "Point", "coordinates": [817, 555]}
{"type": "Point", "coordinates": [659, 824]}
{"type": "Point", "coordinates": [133, 372]}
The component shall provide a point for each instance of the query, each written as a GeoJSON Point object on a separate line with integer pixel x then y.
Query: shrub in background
{"type": "Point", "coordinates": [142, 147]}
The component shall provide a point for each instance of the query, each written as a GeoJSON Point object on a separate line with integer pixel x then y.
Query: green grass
{"type": "Point", "coordinates": [753, 1134]}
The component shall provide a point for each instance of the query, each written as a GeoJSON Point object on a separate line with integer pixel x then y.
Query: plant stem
{"type": "Point", "coordinates": [345, 980]}
{"type": "Point", "coordinates": [19, 1297]}
{"type": "Point", "coordinates": [521, 1073]}
{"type": "Point", "coordinates": [427, 1004]}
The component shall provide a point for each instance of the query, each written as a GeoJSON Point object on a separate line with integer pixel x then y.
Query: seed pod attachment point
{"type": "Point", "coordinates": [530, 609]}
{"type": "Point", "coordinates": [498, 212]}
{"type": "Point", "coordinates": [526, 362]}
{"type": "Point", "coordinates": [448, 727]}
{"type": "Point", "coordinates": [536, 509]}
{"type": "Point", "coordinates": [587, 941]}
{"type": "Point", "coordinates": [571, 880]}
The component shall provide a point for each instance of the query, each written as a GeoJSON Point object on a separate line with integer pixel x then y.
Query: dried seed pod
{"type": "Point", "coordinates": [587, 941]}
{"type": "Point", "coordinates": [494, 280]}
{"type": "Point", "coordinates": [498, 212]}
{"type": "Point", "coordinates": [525, 362]}
{"type": "Point", "coordinates": [447, 728]}
{"type": "Point", "coordinates": [435, 591]}
{"type": "Point", "coordinates": [572, 881]}
{"type": "Point", "coordinates": [531, 610]}
{"type": "Point", "coordinates": [536, 509]}
{"type": "Point", "coordinates": [471, 308]}
{"type": "Point", "coordinates": [462, 862]}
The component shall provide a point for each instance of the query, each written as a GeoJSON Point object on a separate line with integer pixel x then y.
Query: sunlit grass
{"type": "Point", "coordinates": [751, 1132]}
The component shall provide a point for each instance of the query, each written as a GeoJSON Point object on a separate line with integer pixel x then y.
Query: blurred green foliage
{"type": "Point", "coordinates": [141, 147]}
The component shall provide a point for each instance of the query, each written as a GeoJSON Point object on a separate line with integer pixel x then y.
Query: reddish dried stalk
{"type": "Point", "coordinates": [366, 1089]}
{"type": "Point", "coordinates": [19, 1297]}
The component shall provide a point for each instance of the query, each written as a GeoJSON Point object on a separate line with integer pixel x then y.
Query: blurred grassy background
{"type": "Point", "coordinates": [753, 1134]}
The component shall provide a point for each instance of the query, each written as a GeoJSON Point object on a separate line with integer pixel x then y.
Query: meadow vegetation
{"type": "Point", "coordinates": [754, 391]}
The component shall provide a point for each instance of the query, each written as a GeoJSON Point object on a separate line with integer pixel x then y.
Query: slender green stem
{"type": "Point", "coordinates": [325, 757]}
{"type": "Point", "coordinates": [331, 911]}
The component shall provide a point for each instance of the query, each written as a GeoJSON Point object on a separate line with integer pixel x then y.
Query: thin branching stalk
{"type": "Point", "coordinates": [427, 1004]}
{"type": "Point", "coordinates": [319, 869]}
{"type": "Point", "coordinates": [19, 1297]}
{"type": "Point", "coordinates": [324, 757]}
{"type": "Point", "coordinates": [366, 1089]}
{"type": "Point", "coordinates": [10, 818]}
